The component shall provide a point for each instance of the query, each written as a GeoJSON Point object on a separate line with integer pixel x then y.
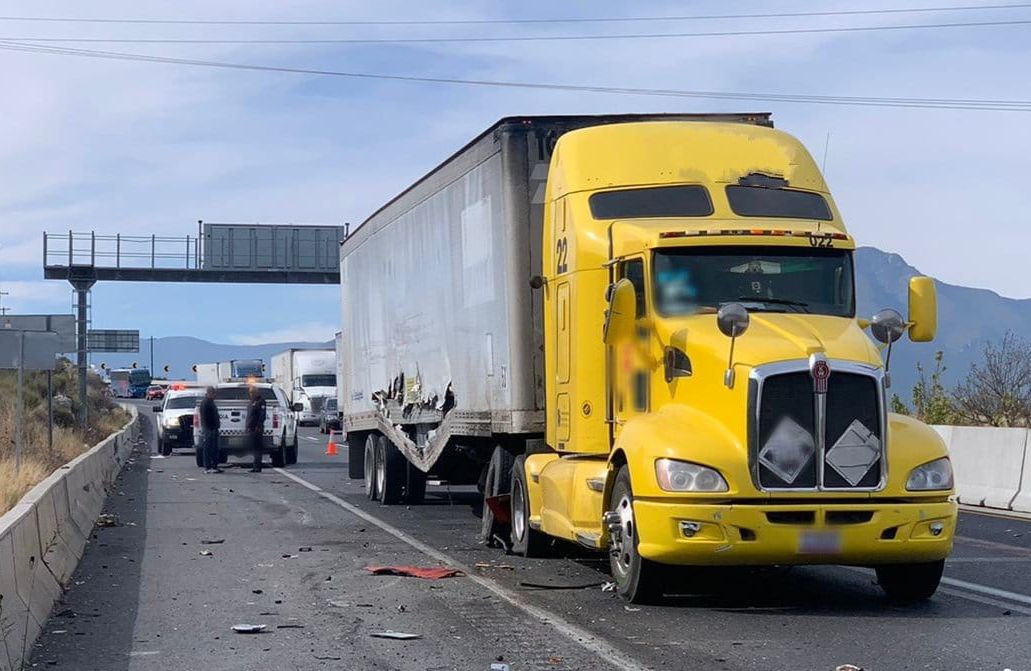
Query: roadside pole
{"type": "Point", "coordinates": [50, 411]}
{"type": "Point", "coordinates": [20, 412]}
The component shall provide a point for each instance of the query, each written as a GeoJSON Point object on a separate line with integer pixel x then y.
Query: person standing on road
{"type": "Point", "coordinates": [256, 427]}
{"type": "Point", "coordinates": [209, 425]}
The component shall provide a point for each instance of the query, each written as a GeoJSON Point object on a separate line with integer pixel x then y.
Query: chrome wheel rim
{"type": "Point", "coordinates": [518, 512]}
{"type": "Point", "coordinates": [623, 546]}
{"type": "Point", "coordinates": [381, 475]}
{"type": "Point", "coordinates": [369, 469]}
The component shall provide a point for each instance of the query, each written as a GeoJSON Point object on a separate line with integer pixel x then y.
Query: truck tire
{"type": "Point", "coordinates": [498, 481]}
{"type": "Point", "coordinates": [526, 540]}
{"type": "Point", "coordinates": [164, 447]}
{"type": "Point", "coordinates": [637, 579]}
{"type": "Point", "coordinates": [369, 469]}
{"type": "Point", "coordinates": [355, 457]}
{"type": "Point", "coordinates": [910, 582]}
{"type": "Point", "coordinates": [415, 489]}
{"type": "Point", "coordinates": [291, 450]}
{"type": "Point", "coordinates": [279, 455]}
{"type": "Point", "coordinates": [391, 473]}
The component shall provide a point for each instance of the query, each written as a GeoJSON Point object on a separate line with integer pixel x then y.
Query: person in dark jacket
{"type": "Point", "coordinates": [209, 425]}
{"type": "Point", "coordinates": [256, 426]}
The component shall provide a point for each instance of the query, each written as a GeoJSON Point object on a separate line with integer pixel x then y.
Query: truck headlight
{"type": "Point", "coordinates": [684, 476]}
{"type": "Point", "coordinates": [171, 422]}
{"type": "Point", "coordinates": [933, 475]}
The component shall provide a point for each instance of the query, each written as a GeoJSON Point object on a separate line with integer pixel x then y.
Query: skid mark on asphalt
{"type": "Point", "coordinates": [585, 639]}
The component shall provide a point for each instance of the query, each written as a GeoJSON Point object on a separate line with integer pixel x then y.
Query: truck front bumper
{"type": "Point", "coordinates": [861, 533]}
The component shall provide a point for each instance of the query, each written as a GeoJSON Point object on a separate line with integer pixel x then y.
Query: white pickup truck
{"type": "Point", "coordinates": [280, 435]}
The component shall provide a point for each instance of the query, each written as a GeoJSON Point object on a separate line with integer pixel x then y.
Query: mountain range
{"type": "Point", "coordinates": [967, 319]}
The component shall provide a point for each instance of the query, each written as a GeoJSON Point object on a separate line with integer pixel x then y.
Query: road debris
{"type": "Point", "coordinates": [423, 572]}
{"type": "Point", "coordinates": [289, 626]}
{"type": "Point", "coordinates": [608, 587]}
{"type": "Point", "coordinates": [108, 520]}
{"type": "Point", "coordinates": [631, 609]}
{"type": "Point", "coordinates": [249, 628]}
{"type": "Point", "coordinates": [533, 584]}
{"type": "Point", "coordinates": [206, 553]}
{"type": "Point", "coordinates": [212, 541]}
{"type": "Point", "coordinates": [486, 565]}
{"type": "Point", "coordinates": [304, 549]}
{"type": "Point", "coordinates": [848, 667]}
{"type": "Point", "coordinates": [499, 666]}
{"type": "Point", "coordinates": [395, 635]}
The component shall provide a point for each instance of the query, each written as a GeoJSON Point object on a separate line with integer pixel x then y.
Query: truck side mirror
{"type": "Point", "coordinates": [675, 359]}
{"type": "Point", "coordinates": [923, 309]}
{"type": "Point", "coordinates": [156, 408]}
{"type": "Point", "coordinates": [622, 312]}
{"type": "Point", "coordinates": [297, 407]}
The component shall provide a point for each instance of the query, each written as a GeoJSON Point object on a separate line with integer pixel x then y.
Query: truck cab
{"type": "Point", "coordinates": [713, 397]}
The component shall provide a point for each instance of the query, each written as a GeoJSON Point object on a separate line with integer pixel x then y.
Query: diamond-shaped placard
{"type": "Point", "coordinates": [788, 449]}
{"type": "Point", "coordinates": [854, 452]}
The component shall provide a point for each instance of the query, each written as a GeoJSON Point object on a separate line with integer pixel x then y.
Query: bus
{"type": "Point", "coordinates": [130, 382]}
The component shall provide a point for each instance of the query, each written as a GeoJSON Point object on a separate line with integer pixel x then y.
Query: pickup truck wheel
{"type": "Point", "coordinates": [498, 481]}
{"type": "Point", "coordinates": [526, 540]}
{"type": "Point", "coordinates": [355, 457]}
{"type": "Point", "coordinates": [279, 455]}
{"type": "Point", "coordinates": [291, 449]}
{"type": "Point", "coordinates": [637, 579]}
{"type": "Point", "coordinates": [910, 582]}
{"type": "Point", "coordinates": [369, 470]}
{"type": "Point", "coordinates": [164, 447]}
{"type": "Point", "coordinates": [392, 471]}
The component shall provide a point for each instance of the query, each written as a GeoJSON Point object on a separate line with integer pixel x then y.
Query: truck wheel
{"type": "Point", "coordinates": [526, 540]}
{"type": "Point", "coordinates": [638, 580]}
{"type": "Point", "coordinates": [279, 456]}
{"type": "Point", "coordinates": [164, 447]}
{"type": "Point", "coordinates": [392, 472]}
{"type": "Point", "coordinates": [415, 488]}
{"type": "Point", "coordinates": [498, 481]}
{"type": "Point", "coordinates": [291, 449]}
{"type": "Point", "coordinates": [355, 457]}
{"type": "Point", "coordinates": [369, 469]}
{"type": "Point", "coordinates": [910, 582]}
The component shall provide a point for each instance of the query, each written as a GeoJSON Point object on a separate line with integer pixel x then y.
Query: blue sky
{"type": "Point", "coordinates": [139, 148]}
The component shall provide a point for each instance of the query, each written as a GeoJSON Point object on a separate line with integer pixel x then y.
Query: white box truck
{"type": "Point", "coordinates": [308, 377]}
{"type": "Point", "coordinates": [207, 374]}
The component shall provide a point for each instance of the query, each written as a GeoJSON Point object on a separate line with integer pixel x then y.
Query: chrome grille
{"type": "Point", "coordinates": [316, 403]}
{"type": "Point", "coordinates": [801, 440]}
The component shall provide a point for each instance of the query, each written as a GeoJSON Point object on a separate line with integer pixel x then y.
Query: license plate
{"type": "Point", "coordinates": [236, 441]}
{"type": "Point", "coordinates": [819, 542]}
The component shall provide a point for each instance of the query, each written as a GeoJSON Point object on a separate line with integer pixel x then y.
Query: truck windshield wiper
{"type": "Point", "coordinates": [802, 306]}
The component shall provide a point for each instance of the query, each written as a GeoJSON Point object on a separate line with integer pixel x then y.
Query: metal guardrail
{"type": "Point", "coordinates": [121, 251]}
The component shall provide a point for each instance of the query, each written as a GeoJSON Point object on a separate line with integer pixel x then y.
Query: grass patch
{"type": "Point", "coordinates": [39, 460]}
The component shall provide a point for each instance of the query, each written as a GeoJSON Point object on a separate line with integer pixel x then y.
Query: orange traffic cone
{"type": "Point", "coordinates": [331, 448]}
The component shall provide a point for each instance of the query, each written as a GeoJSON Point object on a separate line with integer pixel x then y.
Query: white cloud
{"type": "Point", "coordinates": [304, 332]}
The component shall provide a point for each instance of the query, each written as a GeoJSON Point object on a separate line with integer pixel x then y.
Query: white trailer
{"type": "Point", "coordinates": [308, 377]}
{"type": "Point", "coordinates": [207, 374]}
{"type": "Point", "coordinates": [339, 340]}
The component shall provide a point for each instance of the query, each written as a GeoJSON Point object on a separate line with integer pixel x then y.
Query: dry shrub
{"type": "Point", "coordinates": [39, 460]}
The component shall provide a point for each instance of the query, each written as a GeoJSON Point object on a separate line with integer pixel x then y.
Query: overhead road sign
{"type": "Point", "coordinates": [113, 340]}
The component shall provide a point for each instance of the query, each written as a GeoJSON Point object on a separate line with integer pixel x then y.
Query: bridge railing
{"type": "Point", "coordinates": [121, 251]}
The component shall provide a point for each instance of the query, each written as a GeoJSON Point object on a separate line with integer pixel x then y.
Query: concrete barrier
{"type": "Point", "coordinates": [1022, 501]}
{"type": "Point", "coordinates": [990, 464]}
{"type": "Point", "coordinates": [44, 536]}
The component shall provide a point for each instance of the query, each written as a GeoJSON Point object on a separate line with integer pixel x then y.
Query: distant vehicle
{"type": "Point", "coordinates": [329, 418]}
{"type": "Point", "coordinates": [130, 382]}
{"type": "Point", "coordinates": [308, 376]}
{"type": "Point", "coordinates": [155, 392]}
{"type": "Point", "coordinates": [207, 374]}
{"type": "Point", "coordinates": [280, 435]}
{"type": "Point", "coordinates": [175, 419]}
{"type": "Point", "coordinates": [240, 370]}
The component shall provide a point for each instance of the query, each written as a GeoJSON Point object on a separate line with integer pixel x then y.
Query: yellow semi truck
{"type": "Point", "coordinates": [639, 334]}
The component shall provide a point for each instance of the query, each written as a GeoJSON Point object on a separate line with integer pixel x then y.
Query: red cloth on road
{"type": "Point", "coordinates": [424, 572]}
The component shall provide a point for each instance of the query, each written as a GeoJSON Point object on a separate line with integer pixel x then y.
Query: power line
{"type": "Point", "coordinates": [525, 38]}
{"type": "Point", "coordinates": [459, 22]}
{"type": "Point", "coordinates": [860, 101]}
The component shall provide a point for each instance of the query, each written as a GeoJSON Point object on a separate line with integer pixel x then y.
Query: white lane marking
{"type": "Point", "coordinates": [984, 600]}
{"type": "Point", "coordinates": [990, 591]}
{"type": "Point", "coordinates": [310, 437]}
{"type": "Point", "coordinates": [576, 634]}
{"type": "Point", "coordinates": [994, 545]}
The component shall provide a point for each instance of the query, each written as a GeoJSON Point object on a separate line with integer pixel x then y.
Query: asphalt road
{"type": "Point", "coordinates": [291, 552]}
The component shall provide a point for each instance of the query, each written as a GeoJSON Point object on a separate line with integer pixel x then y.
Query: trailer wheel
{"type": "Point", "coordinates": [910, 582]}
{"type": "Point", "coordinates": [391, 472]}
{"type": "Point", "coordinates": [369, 469]}
{"type": "Point", "coordinates": [526, 540]}
{"type": "Point", "coordinates": [415, 489]}
{"type": "Point", "coordinates": [638, 580]}
{"type": "Point", "coordinates": [498, 481]}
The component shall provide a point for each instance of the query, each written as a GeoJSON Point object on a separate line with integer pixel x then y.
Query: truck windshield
{"type": "Point", "coordinates": [319, 380]}
{"type": "Point", "coordinates": [766, 279]}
